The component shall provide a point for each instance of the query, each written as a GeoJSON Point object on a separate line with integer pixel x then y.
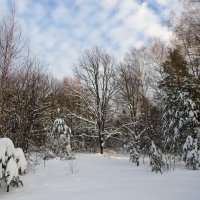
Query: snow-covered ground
{"type": "Point", "coordinates": [104, 177]}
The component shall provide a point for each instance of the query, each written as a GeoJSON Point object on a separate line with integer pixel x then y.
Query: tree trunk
{"type": "Point", "coordinates": [7, 188]}
{"type": "Point", "coordinates": [101, 149]}
{"type": "Point", "coordinates": [100, 143]}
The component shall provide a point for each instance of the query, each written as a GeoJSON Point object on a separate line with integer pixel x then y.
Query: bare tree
{"type": "Point", "coordinates": [157, 53]}
{"type": "Point", "coordinates": [135, 108]}
{"type": "Point", "coordinates": [10, 49]}
{"type": "Point", "coordinates": [132, 82]}
{"type": "Point", "coordinates": [31, 105]}
{"type": "Point", "coordinates": [188, 32]}
{"type": "Point", "coordinates": [96, 73]}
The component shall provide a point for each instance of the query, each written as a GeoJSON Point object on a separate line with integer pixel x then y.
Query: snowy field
{"type": "Point", "coordinates": [104, 177]}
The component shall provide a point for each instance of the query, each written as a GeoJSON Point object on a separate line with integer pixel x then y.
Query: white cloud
{"type": "Point", "coordinates": [60, 32]}
{"type": "Point", "coordinates": [22, 5]}
{"type": "Point", "coordinates": [3, 7]}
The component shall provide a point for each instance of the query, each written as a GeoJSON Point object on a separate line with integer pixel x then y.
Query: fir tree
{"type": "Point", "coordinates": [175, 74]}
{"type": "Point", "coordinates": [134, 151]}
{"type": "Point", "coordinates": [156, 160]}
{"type": "Point", "coordinates": [12, 163]}
{"type": "Point", "coordinates": [60, 138]}
{"type": "Point", "coordinates": [190, 109]}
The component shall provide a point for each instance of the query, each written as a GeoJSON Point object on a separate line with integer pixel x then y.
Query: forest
{"type": "Point", "coordinates": [148, 104]}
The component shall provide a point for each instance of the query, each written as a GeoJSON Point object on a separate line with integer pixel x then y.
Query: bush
{"type": "Point", "coordinates": [12, 163]}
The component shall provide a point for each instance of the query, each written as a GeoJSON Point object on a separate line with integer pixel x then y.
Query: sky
{"type": "Point", "coordinates": [59, 31]}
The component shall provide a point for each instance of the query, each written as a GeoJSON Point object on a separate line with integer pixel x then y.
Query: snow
{"type": "Point", "coordinates": [2, 154]}
{"type": "Point", "coordinates": [155, 151]}
{"type": "Point", "coordinates": [2, 158]}
{"type": "Point", "coordinates": [11, 171]}
{"type": "Point", "coordinates": [11, 160]}
{"type": "Point", "coordinates": [191, 113]}
{"type": "Point", "coordinates": [6, 146]}
{"type": "Point", "coordinates": [192, 154]}
{"type": "Point", "coordinates": [100, 177]}
{"type": "Point", "coordinates": [188, 143]}
{"type": "Point", "coordinates": [20, 159]}
{"type": "Point", "coordinates": [58, 126]}
{"type": "Point", "coordinates": [6, 150]}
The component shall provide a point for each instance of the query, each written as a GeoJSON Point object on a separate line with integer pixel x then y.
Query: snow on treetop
{"type": "Point", "coordinates": [155, 151]}
{"type": "Point", "coordinates": [59, 121]}
{"type": "Point", "coordinates": [2, 155]}
{"type": "Point", "coordinates": [192, 154]}
{"type": "Point", "coordinates": [12, 158]}
{"type": "Point", "coordinates": [6, 149]}
{"type": "Point", "coordinates": [20, 159]}
{"type": "Point", "coordinates": [60, 127]}
{"type": "Point", "coordinates": [11, 171]}
{"type": "Point", "coordinates": [188, 143]}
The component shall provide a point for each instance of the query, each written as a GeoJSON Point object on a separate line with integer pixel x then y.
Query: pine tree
{"type": "Point", "coordinates": [175, 73]}
{"type": "Point", "coordinates": [60, 138]}
{"type": "Point", "coordinates": [12, 163]}
{"type": "Point", "coordinates": [156, 160]}
{"type": "Point", "coordinates": [134, 151]}
{"type": "Point", "coordinates": [190, 106]}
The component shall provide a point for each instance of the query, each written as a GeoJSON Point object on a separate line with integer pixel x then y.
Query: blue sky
{"type": "Point", "coordinates": [60, 30]}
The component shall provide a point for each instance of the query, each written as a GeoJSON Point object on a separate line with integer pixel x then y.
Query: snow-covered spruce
{"type": "Point", "coordinates": [181, 102]}
{"type": "Point", "coordinates": [59, 140]}
{"type": "Point", "coordinates": [20, 160]}
{"type": "Point", "coordinates": [6, 151]}
{"type": "Point", "coordinates": [12, 163]}
{"type": "Point", "coordinates": [156, 160]}
{"type": "Point", "coordinates": [134, 152]}
{"type": "Point", "coordinates": [180, 117]}
{"type": "Point", "coordinates": [11, 174]}
{"type": "Point", "coordinates": [190, 153]}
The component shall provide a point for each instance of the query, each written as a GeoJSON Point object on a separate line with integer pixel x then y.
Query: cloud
{"type": "Point", "coordinates": [60, 31]}
{"type": "Point", "coordinates": [3, 7]}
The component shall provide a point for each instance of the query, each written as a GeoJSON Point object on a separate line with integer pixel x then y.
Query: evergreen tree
{"type": "Point", "coordinates": [134, 151]}
{"type": "Point", "coordinates": [190, 153]}
{"type": "Point", "coordinates": [175, 73]}
{"type": "Point", "coordinates": [156, 160]}
{"type": "Point", "coordinates": [12, 163]}
{"type": "Point", "coordinates": [190, 108]}
{"type": "Point", "coordinates": [60, 138]}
